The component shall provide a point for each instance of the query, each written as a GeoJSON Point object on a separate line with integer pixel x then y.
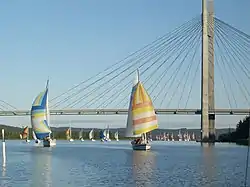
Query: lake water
{"type": "Point", "coordinates": [74, 164]}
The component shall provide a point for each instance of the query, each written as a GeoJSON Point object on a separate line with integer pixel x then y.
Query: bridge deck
{"type": "Point", "coordinates": [125, 111]}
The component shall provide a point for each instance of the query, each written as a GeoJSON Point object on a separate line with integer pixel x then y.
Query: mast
{"type": "Point", "coordinates": [47, 104]}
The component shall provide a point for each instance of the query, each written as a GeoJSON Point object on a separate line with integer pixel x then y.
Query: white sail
{"type": "Point", "coordinates": [116, 135]}
{"type": "Point", "coordinates": [107, 135]}
{"type": "Point", "coordinates": [129, 128]}
{"type": "Point", "coordinates": [34, 135]}
{"type": "Point", "coordinates": [91, 134]}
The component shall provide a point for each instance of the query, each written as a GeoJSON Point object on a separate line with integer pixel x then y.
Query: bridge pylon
{"type": "Point", "coordinates": [207, 73]}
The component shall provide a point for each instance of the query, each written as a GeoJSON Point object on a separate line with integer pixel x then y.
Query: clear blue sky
{"type": "Point", "coordinates": [70, 41]}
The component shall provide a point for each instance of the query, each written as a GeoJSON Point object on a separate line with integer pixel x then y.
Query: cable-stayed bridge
{"type": "Point", "coordinates": [170, 68]}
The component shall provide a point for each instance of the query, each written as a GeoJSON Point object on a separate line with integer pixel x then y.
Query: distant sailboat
{"type": "Point", "coordinates": [102, 136]}
{"type": "Point", "coordinates": [69, 135]}
{"type": "Point", "coordinates": [80, 135]}
{"type": "Point", "coordinates": [107, 135]}
{"type": "Point", "coordinates": [116, 136]}
{"type": "Point", "coordinates": [91, 135]}
{"type": "Point", "coordinates": [25, 134]}
{"type": "Point", "coordinates": [40, 119]}
{"type": "Point", "coordinates": [144, 119]}
{"type": "Point", "coordinates": [180, 136]}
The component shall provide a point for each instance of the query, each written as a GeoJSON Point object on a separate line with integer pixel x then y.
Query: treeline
{"type": "Point", "coordinates": [240, 135]}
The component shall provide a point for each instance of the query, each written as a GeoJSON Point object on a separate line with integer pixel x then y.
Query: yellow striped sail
{"type": "Point", "coordinates": [143, 113]}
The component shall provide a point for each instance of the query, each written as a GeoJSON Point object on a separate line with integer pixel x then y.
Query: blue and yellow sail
{"type": "Point", "coordinates": [39, 119]}
{"type": "Point", "coordinates": [143, 113]}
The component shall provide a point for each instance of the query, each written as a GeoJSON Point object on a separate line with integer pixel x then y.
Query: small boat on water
{"type": "Point", "coordinates": [25, 134]}
{"type": "Point", "coordinates": [143, 116]}
{"type": "Point", "coordinates": [80, 136]}
{"type": "Point", "coordinates": [102, 136]}
{"type": "Point", "coordinates": [69, 135]}
{"type": "Point", "coordinates": [40, 118]}
{"type": "Point", "coordinates": [91, 135]}
{"type": "Point", "coordinates": [116, 136]}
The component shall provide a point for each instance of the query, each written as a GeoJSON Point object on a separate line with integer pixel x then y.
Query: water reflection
{"type": "Point", "coordinates": [42, 168]}
{"type": "Point", "coordinates": [143, 167]}
{"type": "Point", "coordinates": [209, 162]}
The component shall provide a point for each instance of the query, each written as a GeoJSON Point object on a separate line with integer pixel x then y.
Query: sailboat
{"type": "Point", "coordinates": [80, 135]}
{"type": "Point", "coordinates": [25, 134]}
{"type": "Point", "coordinates": [107, 135]}
{"type": "Point", "coordinates": [143, 116]}
{"type": "Point", "coordinates": [116, 136]}
{"type": "Point", "coordinates": [40, 118]}
{"type": "Point", "coordinates": [102, 136]}
{"type": "Point", "coordinates": [91, 135]}
{"type": "Point", "coordinates": [68, 135]}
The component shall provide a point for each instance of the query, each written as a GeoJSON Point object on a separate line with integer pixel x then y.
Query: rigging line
{"type": "Point", "coordinates": [230, 68]}
{"type": "Point", "coordinates": [230, 55]}
{"type": "Point", "coordinates": [176, 70]}
{"type": "Point", "coordinates": [8, 104]}
{"type": "Point", "coordinates": [192, 60]}
{"type": "Point", "coordinates": [235, 50]}
{"type": "Point", "coordinates": [155, 62]}
{"type": "Point", "coordinates": [108, 90]}
{"type": "Point", "coordinates": [223, 81]}
{"type": "Point", "coordinates": [191, 88]}
{"type": "Point", "coordinates": [167, 69]}
{"type": "Point", "coordinates": [141, 49]}
{"type": "Point", "coordinates": [98, 79]}
{"type": "Point", "coordinates": [239, 31]}
{"type": "Point", "coordinates": [179, 83]}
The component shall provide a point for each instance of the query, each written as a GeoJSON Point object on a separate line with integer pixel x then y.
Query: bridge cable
{"type": "Point", "coordinates": [176, 71]}
{"type": "Point", "coordinates": [181, 47]}
{"type": "Point", "coordinates": [216, 58]}
{"type": "Point", "coordinates": [232, 54]}
{"type": "Point", "coordinates": [221, 45]}
{"type": "Point", "coordinates": [115, 85]}
{"type": "Point", "coordinates": [189, 70]}
{"type": "Point", "coordinates": [112, 79]}
{"type": "Point", "coordinates": [144, 52]}
{"type": "Point", "coordinates": [177, 46]}
{"type": "Point", "coordinates": [189, 67]}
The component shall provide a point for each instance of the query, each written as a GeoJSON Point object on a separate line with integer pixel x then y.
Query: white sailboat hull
{"type": "Point", "coordinates": [82, 140]}
{"type": "Point", "coordinates": [49, 143]}
{"type": "Point", "coordinates": [141, 147]}
{"type": "Point", "coordinates": [92, 140]}
{"type": "Point", "coordinates": [71, 140]}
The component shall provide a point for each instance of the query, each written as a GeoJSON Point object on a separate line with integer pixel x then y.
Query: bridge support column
{"type": "Point", "coordinates": [211, 101]}
{"type": "Point", "coordinates": [204, 75]}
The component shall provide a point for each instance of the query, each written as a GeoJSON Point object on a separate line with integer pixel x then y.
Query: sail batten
{"type": "Point", "coordinates": [143, 114]}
